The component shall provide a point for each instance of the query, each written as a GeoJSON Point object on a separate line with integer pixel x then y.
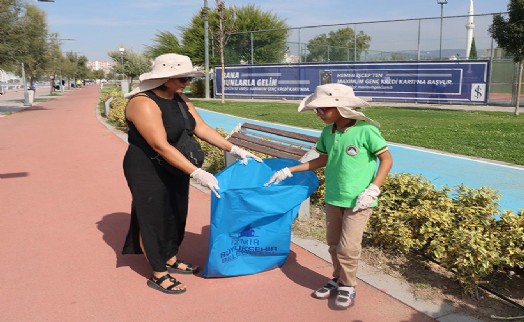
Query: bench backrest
{"type": "Point", "coordinates": [273, 142]}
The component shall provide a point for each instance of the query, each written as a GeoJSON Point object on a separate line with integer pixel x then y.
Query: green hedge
{"type": "Point", "coordinates": [454, 226]}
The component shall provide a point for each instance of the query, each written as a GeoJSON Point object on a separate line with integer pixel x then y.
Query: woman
{"type": "Point", "coordinates": [160, 119]}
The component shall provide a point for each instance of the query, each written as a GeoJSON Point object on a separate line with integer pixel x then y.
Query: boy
{"type": "Point", "coordinates": [348, 147]}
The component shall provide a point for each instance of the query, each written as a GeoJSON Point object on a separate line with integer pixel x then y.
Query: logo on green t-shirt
{"type": "Point", "coordinates": [351, 150]}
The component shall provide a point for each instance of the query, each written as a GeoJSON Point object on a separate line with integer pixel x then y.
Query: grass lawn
{"type": "Point", "coordinates": [490, 135]}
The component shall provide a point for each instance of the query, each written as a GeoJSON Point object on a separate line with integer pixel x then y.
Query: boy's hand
{"type": "Point", "coordinates": [279, 176]}
{"type": "Point", "coordinates": [243, 154]}
{"type": "Point", "coordinates": [367, 197]}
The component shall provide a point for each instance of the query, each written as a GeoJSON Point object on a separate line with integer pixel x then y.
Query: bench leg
{"type": "Point", "coordinates": [229, 158]}
{"type": "Point", "coordinates": [303, 212]}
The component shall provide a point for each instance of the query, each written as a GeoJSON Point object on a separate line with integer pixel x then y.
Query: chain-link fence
{"type": "Point", "coordinates": [433, 38]}
{"type": "Point", "coordinates": [420, 39]}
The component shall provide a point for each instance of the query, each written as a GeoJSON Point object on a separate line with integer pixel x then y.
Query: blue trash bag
{"type": "Point", "coordinates": [250, 223]}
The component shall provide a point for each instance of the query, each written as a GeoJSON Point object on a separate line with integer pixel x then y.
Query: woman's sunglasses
{"type": "Point", "coordinates": [185, 79]}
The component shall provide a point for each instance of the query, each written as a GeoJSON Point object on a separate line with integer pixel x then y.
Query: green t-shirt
{"type": "Point", "coordinates": [352, 161]}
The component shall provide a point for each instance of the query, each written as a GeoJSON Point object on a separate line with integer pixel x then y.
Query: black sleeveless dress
{"type": "Point", "coordinates": [159, 198]}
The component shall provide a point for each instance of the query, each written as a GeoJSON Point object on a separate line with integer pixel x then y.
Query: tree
{"type": "Point", "coordinates": [473, 50]}
{"type": "Point", "coordinates": [509, 34]}
{"type": "Point", "coordinates": [265, 32]}
{"type": "Point", "coordinates": [337, 45]}
{"type": "Point", "coordinates": [165, 42]}
{"type": "Point", "coordinates": [33, 46]}
{"type": "Point", "coordinates": [74, 67]}
{"type": "Point", "coordinates": [10, 34]}
{"type": "Point", "coordinates": [239, 22]}
{"type": "Point", "coordinates": [99, 74]}
{"type": "Point", "coordinates": [55, 59]}
{"type": "Point", "coordinates": [222, 32]}
{"type": "Point", "coordinates": [23, 38]}
{"type": "Point", "coordinates": [134, 64]}
{"type": "Point", "coordinates": [229, 29]}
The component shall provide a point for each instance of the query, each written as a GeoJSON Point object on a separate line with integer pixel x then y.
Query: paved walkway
{"type": "Point", "coordinates": [64, 211]}
{"type": "Point", "coordinates": [12, 101]}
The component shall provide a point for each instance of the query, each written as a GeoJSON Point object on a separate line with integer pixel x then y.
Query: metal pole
{"type": "Point", "coordinates": [206, 49]}
{"type": "Point", "coordinates": [514, 88]}
{"type": "Point", "coordinates": [252, 60]}
{"type": "Point", "coordinates": [441, 20]}
{"type": "Point", "coordinates": [418, 41]}
{"type": "Point", "coordinates": [24, 83]}
{"type": "Point", "coordinates": [122, 65]}
{"type": "Point", "coordinates": [299, 48]}
{"type": "Point", "coordinates": [348, 48]}
{"type": "Point", "coordinates": [355, 43]}
{"type": "Point", "coordinates": [491, 50]}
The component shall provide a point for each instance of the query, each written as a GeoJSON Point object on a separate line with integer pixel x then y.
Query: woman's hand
{"type": "Point", "coordinates": [206, 179]}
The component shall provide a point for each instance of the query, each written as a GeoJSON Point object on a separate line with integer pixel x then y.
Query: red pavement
{"type": "Point", "coordinates": [64, 212]}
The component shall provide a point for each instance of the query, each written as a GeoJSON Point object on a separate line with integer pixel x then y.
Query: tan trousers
{"type": "Point", "coordinates": [344, 231]}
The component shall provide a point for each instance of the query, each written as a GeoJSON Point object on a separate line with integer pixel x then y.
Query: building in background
{"type": "Point", "coordinates": [106, 66]}
{"type": "Point", "coordinates": [6, 77]}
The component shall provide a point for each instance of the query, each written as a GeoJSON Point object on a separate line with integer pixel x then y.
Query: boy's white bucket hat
{"type": "Point", "coordinates": [340, 96]}
{"type": "Point", "coordinates": [165, 67]}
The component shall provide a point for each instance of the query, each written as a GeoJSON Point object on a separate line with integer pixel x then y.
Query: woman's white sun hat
{"type": "Point", "coordinates": [340, 96]}
{"type": "Point", "coordinates": [171, 66]}
{"type": "Point", "coordinates": [165, 67]}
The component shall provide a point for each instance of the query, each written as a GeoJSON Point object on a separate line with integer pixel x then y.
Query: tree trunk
{"type": "Point", "coordinates": [519, 85]}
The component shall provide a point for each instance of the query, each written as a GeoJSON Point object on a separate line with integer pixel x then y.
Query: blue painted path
{"type": "Point", "coordinates": [440, 168]}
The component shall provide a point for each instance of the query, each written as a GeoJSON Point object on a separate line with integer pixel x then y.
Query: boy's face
{"type": "Point", "coordinates": [328, 114]}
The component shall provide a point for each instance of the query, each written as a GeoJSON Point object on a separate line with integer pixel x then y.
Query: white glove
{"type": "Point", "coordinates": [367, 197]}
{"type": "Point", "coordinates": [278, 176]}
{"type": "Point", "coordinates": [243, 154]}
{"type": "Point", "coordinates": [206, 179]}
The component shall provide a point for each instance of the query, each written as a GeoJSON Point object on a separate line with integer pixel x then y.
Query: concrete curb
{"type": "Point", "coordinates": [394, 287]}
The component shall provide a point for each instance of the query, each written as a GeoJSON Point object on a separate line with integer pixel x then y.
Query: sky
{"type": "Point", "coordinates": [94, 27]}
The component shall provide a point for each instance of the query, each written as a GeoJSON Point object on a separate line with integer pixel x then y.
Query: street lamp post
{"type": "Point", "coordinates": [124, 86]}
{"type": "Point", "coordinates": [122, 51]}
{"type": "Point", "coordinates": [24, 83]}
{"type": "Point", "coordinates": [441, 3]}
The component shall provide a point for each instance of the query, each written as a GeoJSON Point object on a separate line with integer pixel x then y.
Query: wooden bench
{"type": "Point", "coordinates": [275, 143]}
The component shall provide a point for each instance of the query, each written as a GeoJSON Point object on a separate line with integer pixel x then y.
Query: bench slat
{"type": "Point", "coordinates": [262, 149]}
{"type": "Point", "coordinates": [271, 144]}
{"type": "Point", "coordinates": [289, 134]}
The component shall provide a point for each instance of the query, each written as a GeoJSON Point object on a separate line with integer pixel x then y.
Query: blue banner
{"type": "Point", "coordinates": [454, 81]}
